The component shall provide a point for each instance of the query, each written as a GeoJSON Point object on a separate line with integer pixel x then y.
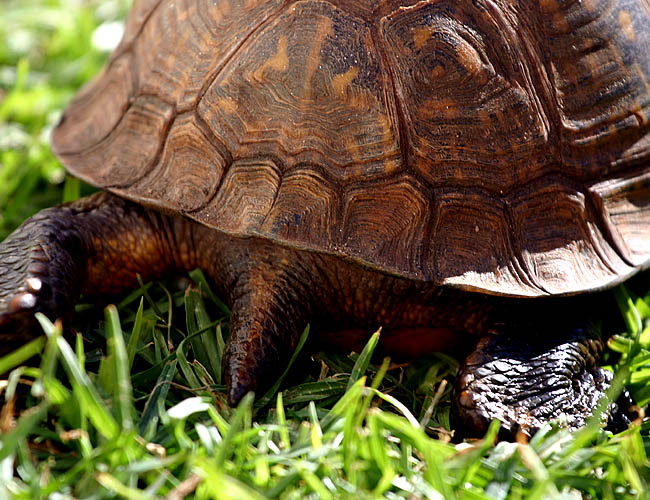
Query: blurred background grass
{"type": "Point", "coordinates": [48, 49]}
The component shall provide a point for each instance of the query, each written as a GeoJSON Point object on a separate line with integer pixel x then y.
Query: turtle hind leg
{"type": "Point", "coordinates": [526, 381]}
{"type": "Point", "coordinates": [96, 245]}
{"type": "Point", "coordinates": [270, 299]}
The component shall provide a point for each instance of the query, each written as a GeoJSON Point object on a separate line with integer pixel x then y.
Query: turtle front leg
{"type": "Point", "coordinates": [527, 380]}
{"type": "Point", "coordinates": [100, 244]}
{"type": "Point", "coordinates": [96, 245]}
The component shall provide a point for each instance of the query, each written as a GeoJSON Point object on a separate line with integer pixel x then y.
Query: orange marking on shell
{"type": "Point", "coordinates": [340, 82]}
{"type": "Point", "coordinates": [421, 35]}
{"type": "Point", "coordinates": [323, 29]}
{"type": "Point", "coordinates": [625, 21]}
{"type": "Point", "coordinates": [440, 107]}
{"type": "Point", "coordinates": [279, 62]}
{"type": "Point", "coordinates": [472, 62]}
{"type": "Point", "coordinates": [438, 72]}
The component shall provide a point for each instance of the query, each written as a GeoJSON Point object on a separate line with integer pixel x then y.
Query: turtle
{"type": "Point", "coordinates": [466, 174]}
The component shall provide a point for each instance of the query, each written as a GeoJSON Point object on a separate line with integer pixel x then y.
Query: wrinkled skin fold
{"type": "Point", "coordinates": [531, 379]}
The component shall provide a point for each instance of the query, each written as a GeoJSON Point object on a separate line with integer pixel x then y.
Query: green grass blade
{"type": "Point", "coordinates": [113, 484]}
{"type": "Point", "coordinates": [350, 398]}
{"type": "Point", "coordinates": [218, 485]}
{"type": "Point", "coordinates": [239, 418]}
{"type": "Point", "coordinates": [205, 347]}
{"type": "Point", "coordinates": [71, 189]}
{"type": "Point", "coordinates": [270, 394]}
{"type": "Point", "coordinates": [123, 393]}
{"type": "Point", "coordinates": [199, 278]}
{"type": "Point", "coordinates": [630, 314]}
{"type": "Point", "coordinates": [136, 334]}
{"type": "Point", "coordinates": [24, 427]}
{"type": "Point", "coordinates": [363, 361]}
{"type": "Point", "coordinates": [22, 354]}
{"type": "Point", "coordinates": [81, 384]}
{"type": "Point", "coordinates": [155, 402]}
{"type": "Point", "coordinates": [285, 440]}
{"type": "Point", "coordinates": [192, 304]}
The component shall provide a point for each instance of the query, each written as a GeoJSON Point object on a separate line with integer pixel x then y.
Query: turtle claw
{"type": "Point", "coordinates": [36, 274]}
{"type": "Point", "coordinates": [20, 304]}
{"type": "Point", "coordinates": [17, 322]}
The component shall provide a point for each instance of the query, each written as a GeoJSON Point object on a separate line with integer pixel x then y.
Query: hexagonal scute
{"type": "Point", "coordinates": [309, 87]}
{"type": "Point", "coordinates": [471, 112]}
{"type": "Point", "coordinates": [188, 172]}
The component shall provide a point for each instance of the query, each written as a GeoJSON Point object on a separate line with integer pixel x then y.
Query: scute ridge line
{"type": "Point", "coordinates": [161, 143]}
{"type": "Point", "coordinates": [223, 150]}
{"type": "Point", "coordinates": [517, 258]}
{"type": "Point", "coordinates": [235, 50]}
{"type": "Point", "coordinates": [405, 147]}
{"type": "Point", "coordinates": [604, 227]}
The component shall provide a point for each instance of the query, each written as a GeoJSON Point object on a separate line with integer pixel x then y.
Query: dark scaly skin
{"type": "Point", "coordinates": [99, 244]}
{"type": "Point", "coordinates": [525, 380]}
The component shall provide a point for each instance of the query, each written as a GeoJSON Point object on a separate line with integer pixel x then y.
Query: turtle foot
{"type": "Point", "coordinates": [261, 342]}
{"type": "Point", "coordinates": [526, 382]}
{"type": "Point", "coordinates": [269, 310]}
{"type": "Point", "coordinates": [37, 274]}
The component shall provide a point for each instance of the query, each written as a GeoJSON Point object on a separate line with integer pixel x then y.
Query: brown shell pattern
{"type": "Point", "coordinates": [494, 145]}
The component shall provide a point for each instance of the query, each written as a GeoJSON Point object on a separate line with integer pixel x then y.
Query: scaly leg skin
{"type": "Point", "coordinates": [100, 244]}
{"type": "Point", "coordinates": [96, 245]}
{"type": "Point", "coordinates": [269, 301]}
{"type": "Point", "coordinates": [527, 380]}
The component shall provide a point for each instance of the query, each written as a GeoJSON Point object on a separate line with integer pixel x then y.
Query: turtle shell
{"type": "Point", "coordinates": [493, 145]}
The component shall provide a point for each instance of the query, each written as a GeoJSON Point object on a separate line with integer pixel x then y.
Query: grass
{"type": "Point", "coordinates": [135, 407]}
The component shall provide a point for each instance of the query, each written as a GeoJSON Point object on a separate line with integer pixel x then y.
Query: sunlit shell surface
{"type": "Point", "coordinates": [492, 145]}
